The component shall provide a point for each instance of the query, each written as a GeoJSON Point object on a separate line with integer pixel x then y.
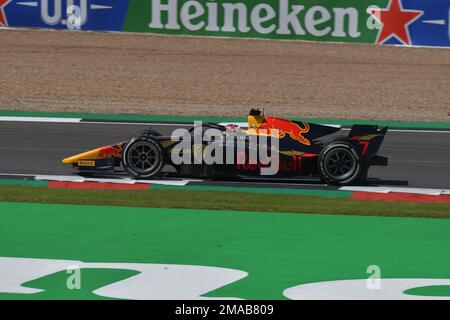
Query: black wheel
{"type": "Point", "coordinates": [142, 157]}
{"type": "Point", "coordinates": [339, 163]}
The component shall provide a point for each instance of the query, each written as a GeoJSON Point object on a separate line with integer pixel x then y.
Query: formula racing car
{"type": "Point", "coordinates": [232, 151]}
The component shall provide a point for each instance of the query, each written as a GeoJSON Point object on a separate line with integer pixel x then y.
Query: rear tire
{"type": "Point", "coordinates": [142, 157]}
{"type": "Point", "coordinates": [339, 163]}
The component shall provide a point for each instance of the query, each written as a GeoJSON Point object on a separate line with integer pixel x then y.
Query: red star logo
{"type": "Point", "coordinates": [3, 4]}
{"type": "Point", "coordinates": [395, 21]}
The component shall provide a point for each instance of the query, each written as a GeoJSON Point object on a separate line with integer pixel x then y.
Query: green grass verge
{"type": "Point", "coordinates": [224, 201]}
{"type": "Point", "coordinates": [272, 191]}
{"type": "Point", "coordinates": [24, 182]}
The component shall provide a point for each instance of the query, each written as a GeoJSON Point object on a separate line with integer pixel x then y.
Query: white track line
{"type": "Point", "coordinates": [381, 189]}
{"type": "Point", "coordinates": [245, 124]}
{"type": "Point", "coordinates": [79, 121]}
{"type": "Point", "coordinates": [412, 130]}
{"type": "Point", "coordinates": [41, 119]}
{"type": "Point", "coordinates": [166, 182]}
{"type": "Point", "coordinates": [147, 124]}
{"type": "Point", "coordinates": [104, 180]}
{"type": "Point", "coordinates": [183, 182]}
{"type": "Point", "coordinates": [59, 178]}
{"type": "Point", "coordinates": [66, 178]}
{"type": "Point", "coordinates": [366, 189]}
{"type": "Point", "coordinates": [240, 124]}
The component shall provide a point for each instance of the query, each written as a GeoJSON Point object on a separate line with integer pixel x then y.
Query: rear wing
{"type": "Point", "coordinates": [369, 138]}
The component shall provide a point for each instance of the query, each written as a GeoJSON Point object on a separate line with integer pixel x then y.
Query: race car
{"type": "Point", "coordinates": [302, 149]}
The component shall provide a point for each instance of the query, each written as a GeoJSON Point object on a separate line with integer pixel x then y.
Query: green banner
{"type": "Point", "coordinates": [312, 20]}
{"type": "Point", "coordinates": [394, 22]}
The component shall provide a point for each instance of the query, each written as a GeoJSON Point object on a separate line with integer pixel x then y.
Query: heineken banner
{"type": "Point", "coordinates": [401, 22]}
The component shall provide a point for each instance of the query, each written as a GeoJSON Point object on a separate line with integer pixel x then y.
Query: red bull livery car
{"type": "Point", "coordinates": [292, 149]}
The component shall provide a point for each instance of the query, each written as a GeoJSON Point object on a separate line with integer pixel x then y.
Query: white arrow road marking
{"type": "Point", "coordinates": [155, 281]}
{"type": "Point", "coordinates": [391, 289]}
{"type": "Point", "coordinates": [167, 282]}
{"type": "Point", "coordinates": [15, 271]}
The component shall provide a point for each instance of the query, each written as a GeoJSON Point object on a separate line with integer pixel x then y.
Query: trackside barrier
{"type": "Point", "coordinates": [393, 22]}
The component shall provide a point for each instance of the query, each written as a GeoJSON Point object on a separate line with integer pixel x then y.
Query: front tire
{"type": "Point", "coordinates": [142, 157]}
{"type": "Point", "coordinates": [339, 163]}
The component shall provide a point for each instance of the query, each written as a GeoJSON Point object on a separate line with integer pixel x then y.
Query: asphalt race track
{"type": "Point", "coordinates": [419, 159]}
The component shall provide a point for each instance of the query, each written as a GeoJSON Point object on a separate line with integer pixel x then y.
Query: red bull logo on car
{"type": "Point", "coordinates": [110, 151]}
{"type": "Point", "coordinates": [287, 127]}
